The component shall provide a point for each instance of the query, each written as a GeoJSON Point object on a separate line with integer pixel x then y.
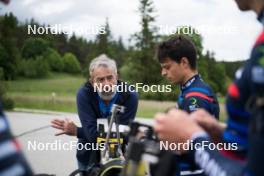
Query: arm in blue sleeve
{"type": "Point", "coordinates": [87, 117]}
{"type": "Point", "coordinates": [212, 161]}
{"type": "Point", "coordinates": [193, 103]}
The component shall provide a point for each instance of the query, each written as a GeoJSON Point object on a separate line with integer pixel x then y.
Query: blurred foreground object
{"type": "Point", "coordinates": [12, 161]}
{"type": "Point", "coordinates": [5, 1]}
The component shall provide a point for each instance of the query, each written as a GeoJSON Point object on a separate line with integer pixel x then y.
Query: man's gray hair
{"type": "Point", "coordinates": [102, 61]}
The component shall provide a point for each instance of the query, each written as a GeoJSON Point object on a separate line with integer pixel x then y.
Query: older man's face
{"type": "Point", "coordinates": [104, 78]}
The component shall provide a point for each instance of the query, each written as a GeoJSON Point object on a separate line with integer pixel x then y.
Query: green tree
{"type": "Point", "coordinates": [3, 60]}
{"type": "Point", "coordinates": [145, 42]}
{"type": "Point", "coordinates": [8, 60]}
{"type": "Point", "coordinates": [8, 56]}
{"type": "Point", "coordinates": [2, 86]}
{"type": "Point", "coordinates": [215, 72]}
{"type": "Point", "coordinates": [118, 51]}
{"type": "Point", "coordinates": [71, 64]}
{"type": "Point", "coordinates": [7, 102]}
{"type": "Point", "coordinates": [103, 41]}
{"type": "Point", "coordinates": [8, 41]}
{"type": "Point", "coordinates": [34, 47]}
{"type": "Point", "coordinates": [232, 67]}
{"type": "Point", "coordinates": [202, 65]}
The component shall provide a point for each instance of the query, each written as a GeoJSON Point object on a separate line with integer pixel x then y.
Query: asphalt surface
{"type": "Point", "coordinates": [46, 152]}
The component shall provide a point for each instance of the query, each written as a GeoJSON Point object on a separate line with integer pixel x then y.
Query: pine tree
{"type": "Point", "coordinates": [103, 41]}
{"type": "Point", "coordinates": [146, 41]}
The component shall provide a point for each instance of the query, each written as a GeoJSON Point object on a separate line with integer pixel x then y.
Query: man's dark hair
{"type": "Point", "coordinates": [176, 48]}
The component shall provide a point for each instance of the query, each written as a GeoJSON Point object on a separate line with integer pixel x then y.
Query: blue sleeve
{"type": "Point", "coordinates": [131, 105]}
{"type": "Point", "coordinates": [249, 84]}
{"type": "Point", "coordinates": [87, 117]}
{"type": "Point", "coordinates": [193, 103]}
{"type": "Point", "coordinates": [212, 161]}
{"type": "Point", "coordinates": [12, 159]}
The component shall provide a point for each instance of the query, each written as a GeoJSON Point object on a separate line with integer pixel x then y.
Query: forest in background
{"type": "Point", "coordinates": [37, 56]}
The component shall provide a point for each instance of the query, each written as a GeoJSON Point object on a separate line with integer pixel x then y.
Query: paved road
{"type": "Point", "coordinates": [35, 136]}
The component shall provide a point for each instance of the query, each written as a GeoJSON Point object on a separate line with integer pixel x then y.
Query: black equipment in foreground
{"type": "Point", "coordinates": [112, 156]}
{"type": "Point", "coordinates": [145, 152]}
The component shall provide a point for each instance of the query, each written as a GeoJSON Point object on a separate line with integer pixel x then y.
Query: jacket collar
{"type": "Point", "coordinates": [190, 82]}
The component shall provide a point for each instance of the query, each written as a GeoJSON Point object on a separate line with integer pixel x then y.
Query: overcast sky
{"type": "Point", "coordinates": [226, 31]}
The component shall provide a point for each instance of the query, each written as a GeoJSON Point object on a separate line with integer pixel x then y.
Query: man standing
{"type": "Point", "coordinates": [94, 101]}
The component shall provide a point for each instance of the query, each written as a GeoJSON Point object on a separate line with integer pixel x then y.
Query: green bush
{"type": "Point", "coordinates": [2, 89]}
{"type": "Point", "coordinates": [8, 60]}
{"type": "Point", "coordinates": [130, 72]}
{"type": "Point", "coordinates": [8, 103]}
{"type": "Point", "coordinates": [37, 68]}
{"type": "Point", "coordinates": [1, 73]}
{"type": "Point", "coordinates": [71, 64]}
{"type": "Point", "coordinates": [54, 59]}
{"type": "Point", "coordinates": [42, 67]}
{"type": "Point", "coordinates": [29, 69]}
{"type": "Point", "coordinates": [21, 67]}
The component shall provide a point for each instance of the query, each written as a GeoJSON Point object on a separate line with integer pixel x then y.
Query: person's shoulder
{"type": "Point", "coordinates": [203, 87]}
{"type": "Point", "coordinates": [133, 94]}
{"type": "Point", "coordinates": [86, 90]}
{"type": "Point", "coordinates": [82, 90]}
{"type": "Point", "coordinates": [260, 40]}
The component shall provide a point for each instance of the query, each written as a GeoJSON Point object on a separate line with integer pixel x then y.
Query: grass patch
{"type": "Point", "coordinates": [59, 83]}
{"type": "Point", "coordinates": [37, 94]}
{"type": "Point", "coordinates": [63, 104]}
{"type": "Point", "coordinates": [146, 108]}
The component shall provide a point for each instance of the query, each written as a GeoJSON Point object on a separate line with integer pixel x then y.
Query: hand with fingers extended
{"type": "Point", "coordinates": [66, 126]}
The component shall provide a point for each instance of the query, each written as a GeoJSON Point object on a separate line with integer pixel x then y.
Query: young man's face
{"type": "Point", "coordinates": [172, 70]}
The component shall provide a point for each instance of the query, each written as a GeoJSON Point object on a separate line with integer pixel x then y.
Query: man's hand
{"type": "Point", "coordinates": [213, 127]}
{"type": "Point", "coordinates": [176, 126]}
{"type": "Point", "coordinates": [68, 127]}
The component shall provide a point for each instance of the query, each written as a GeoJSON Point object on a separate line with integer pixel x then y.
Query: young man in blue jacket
{"type": "Point", "coordinates": [93, 103]}
{"type": "Point", "coordinates": [178, 60]}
